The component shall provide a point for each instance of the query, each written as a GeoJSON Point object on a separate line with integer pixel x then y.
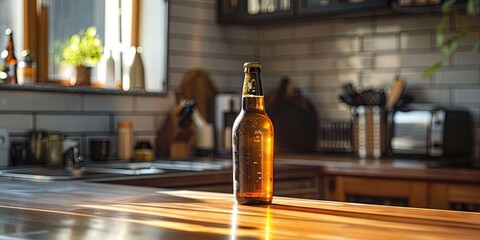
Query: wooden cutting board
{"type": "Point", "coordinates": [294, 119]}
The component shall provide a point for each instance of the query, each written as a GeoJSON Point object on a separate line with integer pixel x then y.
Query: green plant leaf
{"type": "Point", "coordinates": [84, 47]}
{"type": "Point", "coordinates": [443, 23]}
{"type": "Point", "coordinates": [432, 69]}
{"type": "Point", "coordinates": [476, 47]}
{"type": "Point", "coordinates": [464, 31]}
{"type": "Point", "coordinates": [440, 39]}
{"type": "Point", "coordinates": [473, 7]}
{"type": "Point", "coordinates": [447, 6]}
{"type": "Point", "coordinates": [450, 46]}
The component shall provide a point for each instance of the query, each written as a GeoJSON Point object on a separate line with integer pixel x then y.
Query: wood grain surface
{"type": "Point", "coordinates": [78, 210]}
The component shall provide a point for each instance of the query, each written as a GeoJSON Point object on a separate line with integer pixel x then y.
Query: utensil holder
{"type": "Point", "coordinates": [369, 124]}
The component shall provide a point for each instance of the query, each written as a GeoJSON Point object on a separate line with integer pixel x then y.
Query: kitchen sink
{"type": "Point", "coordinates": [137, 168]}
{"type": "Point", "coordinates": [51, 174]}
{"type": "Point", "coordinates": [93, 170]}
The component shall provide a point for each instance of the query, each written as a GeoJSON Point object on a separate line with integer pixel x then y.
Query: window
{"type": "Point", "coordinates": [11, 17]}
{"type": "Point", "coordinates": [120, 24]}
{"type": "Point", "coordinates": [65, 18]}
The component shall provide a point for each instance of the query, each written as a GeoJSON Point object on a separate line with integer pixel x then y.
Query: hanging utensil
{"type": "Point", "coordinates": [396, 90]}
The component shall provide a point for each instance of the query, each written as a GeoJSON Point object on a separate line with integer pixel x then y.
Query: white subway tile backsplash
{"type": "Point", "coordinates": [108, 103]}
{"type": "Point", "coordinates": [275, 33]}
{"type": "Point", "coordinates": [353, 62]}
{"type": "Point", "coordinates": [220, 81]}
{"type": "Point", "coordinates": [381, 42]}
{"type": "Point", "coordinates": [430, 95]}
{"type": "Point", "coordinates": [307, 30]}
{"type": "Point", "coordinates": [339, 45]}
{"type": "Point", "coordinates": [314, 64]}
{"type": "Point", "coordinates": [154, 104]}
{"type": "Point", "coordinates": [203, 46]}
{"type": "Point", "coordinates": [470, 21]}
{"type": "Point", "coordinates": [469, 40]}
{"type": "Point", "coordinates": [209, 63]}
{"type": "Point", "coordinates": [292, 49]}
{"type": "Point", "coordinates": [414, 41]}
{"type": "Point", "coordinates": [305, 81]}
{"type": "Point", "coordinates": [471, 95]}
{"type": "Point", "coordinates": [239, 32]}
{"type": "Point", "coordinates": [140, 123]}
{"type": "Point", "coordinates": [319, 98]}
{"type": "Point", "coordinates": [73, 123]}
{"type": "Point", "coordinates": [35, 101]}
{"type": "Point", "coordinates": [406, 23]}
{"type": "Point", "coordinates": [16, 123]}
{"type": "Point", "coordinates": [378, 79]}
{"type": "Point", "coordinates": [336, 80]}
{"type": "Point", "coordinates": [277, 66]}
{"type": "Point", "coordinates": [458, 77]}
{"type": "Point", "coordinates": [349, 27]}
{"type": "Point", "coordinates": [266, 50]}
{"type": "Point", "coordinates": [199, 29]}
{"type": "Point", "coordinates": [408, 60]}
{"type": "Point", "coordinates": [467, 58]}
{"type": "Point", "coordinates": [413, 76]}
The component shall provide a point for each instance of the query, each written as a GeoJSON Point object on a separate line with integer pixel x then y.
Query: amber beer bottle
{"type": "Point", "coordinates": [252, 145]}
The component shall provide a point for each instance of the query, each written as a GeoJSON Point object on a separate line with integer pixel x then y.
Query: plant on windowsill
{"type": "Point", "coordinates": [83, 51]}
{"type": "Point", "coordinates": [450, 45]}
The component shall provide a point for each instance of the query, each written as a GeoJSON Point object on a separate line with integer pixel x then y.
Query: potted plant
{"type": "Point", "coordinates": [83, 51]}
{"type": "Point", "coordinates": [449, 45]}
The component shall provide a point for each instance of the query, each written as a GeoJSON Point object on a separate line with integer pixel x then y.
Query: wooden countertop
{"type": "Point", "coordinates": [349, 165]}
{"type": "Point", "coordinates": [80, 210]}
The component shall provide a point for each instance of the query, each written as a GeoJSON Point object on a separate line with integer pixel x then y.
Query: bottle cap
{"type": "Point", "coordinates": [252, 65]}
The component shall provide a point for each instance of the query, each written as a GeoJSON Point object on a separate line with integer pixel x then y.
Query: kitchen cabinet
{"type": "Point", "coordinates": [274, 11]}
{"type": "Point", "coordinates": [289, 181]}
{"type": "Point", "coordinates": [452, 196]}
{"type": "Point", "coordinates": [376, 191]}
{"type": "Point", "coordinates": [315, 7]}
{"type": "Point", "coordinates": [403, 192]}
{"type": "Point", "coordinates": [254, 11]}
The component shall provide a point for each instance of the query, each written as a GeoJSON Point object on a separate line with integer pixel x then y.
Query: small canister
{"type": "Point", "coordinates": [369, 131]}
{"type": "Point", "coordinates": [125, 140]}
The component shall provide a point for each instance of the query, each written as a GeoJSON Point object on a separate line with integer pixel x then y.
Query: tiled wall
{"type": "Point", "coordinates": [196, 40]}
{"type": "Point", "coordinates": [320, 56]}
{"type": "Point", "coordinates": [80, 116]}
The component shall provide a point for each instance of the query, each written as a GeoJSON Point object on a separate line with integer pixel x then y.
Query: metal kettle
{"type": "Point", "coordinates": [52, 146]}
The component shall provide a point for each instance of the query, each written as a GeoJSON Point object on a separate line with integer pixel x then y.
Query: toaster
{"type": "Point", "coordinates": [436, 132]}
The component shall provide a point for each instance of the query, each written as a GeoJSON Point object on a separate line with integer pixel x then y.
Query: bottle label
{"type": "Point", "coordinates": [251, 86]}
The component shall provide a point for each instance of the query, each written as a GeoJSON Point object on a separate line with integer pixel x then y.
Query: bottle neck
{"type": "Point", "coordinates": [252, 97]}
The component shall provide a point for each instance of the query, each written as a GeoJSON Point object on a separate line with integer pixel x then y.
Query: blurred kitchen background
{"type": "Point", "coordinates": [319, 54]}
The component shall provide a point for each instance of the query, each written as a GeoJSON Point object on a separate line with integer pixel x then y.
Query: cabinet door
{"type": "Point", "coordinates": [254, 11]}
{"type": "Point", "coordinates": [376, 191]}
{"type": "Point", "coordinates": [462, 197]}
{"type": "Point", "coordinates": [315, 7]}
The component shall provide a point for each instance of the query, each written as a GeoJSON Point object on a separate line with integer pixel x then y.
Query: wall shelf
{"type": "Point", "coordinates": [77, 89]}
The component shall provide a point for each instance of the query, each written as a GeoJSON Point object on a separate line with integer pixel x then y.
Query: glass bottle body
{"type": "Point", "coordinates": [252, 147]}
{"type": "Point", "coordinates": [9, 60]}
